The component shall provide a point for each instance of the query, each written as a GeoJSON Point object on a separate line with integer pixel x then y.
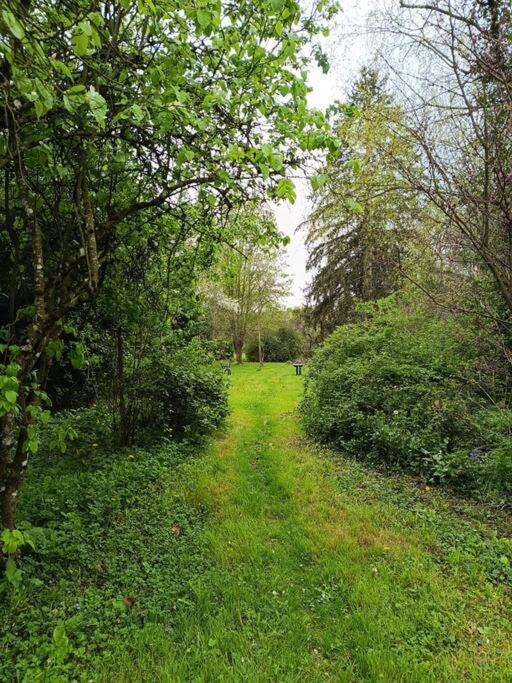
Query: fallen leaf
{"type": "Point", "coordinates": [176, 530]}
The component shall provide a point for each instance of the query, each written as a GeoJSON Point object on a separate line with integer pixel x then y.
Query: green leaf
{"type": "Point", "coordinates": [11, 396]}
{"type": "Point", "coordinates": [355, 165]}
{"type": "Point", "coordinates": [356, 207]}
{"type": "Point", "coordinates": [276, 161]}
{"type": "Point", "coordinates": [203, 18]}
{"type": "Point", "coordinates": [13, 24]}
{"type": "Point", "coordinates": [12, 573]}
{"type": "Point", "coordinates": [76, 89]}
{"type": "Point", "coordinates": [39, 107]}
{"type": "Point", "coordinates": [318, 181]}
{"type": "Point", "coordinates": [62, 68]}
{"type": "Point", "coordinates": [61, 641]}
{"type": "Point", "coordinates": [286, 190]}
{"type": "Point", "coordinates": [137, 113]}
{"type": "Point", "coordinates": [77, 355]}
{"type": "Point", "coordinates": [98, 106]}
{"type": "Point", "coordinates": [80, 43]}
{"type": "Point", "coordinates": [265, 171]}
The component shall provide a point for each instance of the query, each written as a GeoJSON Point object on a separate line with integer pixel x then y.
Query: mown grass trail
{"type": "Point", "coordinates": [318, 569]}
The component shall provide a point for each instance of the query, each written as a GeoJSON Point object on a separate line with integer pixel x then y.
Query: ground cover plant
{"type": "Point", "coordinates": [115, 547]}
{"type": "Point", "coordinates": [261, 556]}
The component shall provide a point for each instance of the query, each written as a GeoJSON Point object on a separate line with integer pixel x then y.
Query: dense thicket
{"type": "Point", "coordinates": [281, 346]}
{"type": "Point", "coordinates": [409, 388]}
{"type": "Point", "coordinates": [421, 380]}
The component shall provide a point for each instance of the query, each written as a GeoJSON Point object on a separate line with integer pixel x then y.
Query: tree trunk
{"type": "Point", "coordinates": [13, 471]}
{"type": "Point", "coordinates": [123, 436]}
{"type": "Point", "coordinates": [260, 348]}
{"type": "Point", "coordinates": [239, 346]}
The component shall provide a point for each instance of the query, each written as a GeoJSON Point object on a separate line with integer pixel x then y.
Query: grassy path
{"type": "Point", "coordinates": [316, 572]}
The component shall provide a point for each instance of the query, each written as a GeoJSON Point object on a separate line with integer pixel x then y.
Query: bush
{"type": "Point", "coordinates": [222, 349]}
{"type": "Point", "coordinates": [405, 389]}
{"type": "Point", "coordinates": [283, 346]}
{"type": "Point", "coordinates": [181, 390]}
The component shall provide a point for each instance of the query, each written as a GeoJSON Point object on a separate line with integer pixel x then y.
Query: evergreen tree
{"type": "Point", "coordinates": [364, 209]}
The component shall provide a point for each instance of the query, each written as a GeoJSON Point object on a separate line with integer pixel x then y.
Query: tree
{"type": "Point", "coordinates": [279, 342]}
{"type": "Point", "coordinates": [364, 208]}
{"type": "Point", "coordinates": [113, 116]}
{"type": "Point", "coordinates": [460, 119]}
{"type": "Point", "coordinates": [147, 305]}
{"type": "Point", "coordinates": [249, 282]}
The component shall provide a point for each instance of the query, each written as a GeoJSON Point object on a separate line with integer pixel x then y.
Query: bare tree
{"type": "Point", "coordinates": [458, 86]}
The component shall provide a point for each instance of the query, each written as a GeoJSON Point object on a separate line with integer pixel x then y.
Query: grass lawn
{"type": "Point", "coordinates": [319, 569]}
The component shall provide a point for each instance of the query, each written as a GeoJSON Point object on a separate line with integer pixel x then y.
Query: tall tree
{"type": "Point", "coordinates": [461, 116]}
{"type": "Point", "coordinates": [364, 209]}
{"type": "Point", "coordinates": [112, 115]}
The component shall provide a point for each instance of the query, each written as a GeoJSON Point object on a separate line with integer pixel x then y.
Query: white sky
{"type": "Point", "coordinates": [346, 57]}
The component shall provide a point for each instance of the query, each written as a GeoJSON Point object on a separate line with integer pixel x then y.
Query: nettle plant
{"type": "Point", "coordinates": [117, 115]}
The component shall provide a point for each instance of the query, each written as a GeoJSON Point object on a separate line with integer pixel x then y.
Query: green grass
{"type": "Point", "coordinates": [316, 572]}
{"type": "Point", "coordinates": [265, 558]}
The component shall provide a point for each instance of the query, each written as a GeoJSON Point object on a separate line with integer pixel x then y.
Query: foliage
{"type": "Point", "coordinates": [116, 118]}
{"type": "Point", "coordinates": [178, 390]}
{"type": "Point", "coordinates": [115, 548]}
{"type": "Point", "coordinates": [365, 212]}
{"type": "Point", "coordinates": [284, 345]}
{"type": "Point", "coordinates": [403, 387]}
{"type": "Point", "coordinates": [246, 284]}
{"type": "Point", "coordinates": [221, 349]}
{"type": "Point", "coordinates": [148, 308]}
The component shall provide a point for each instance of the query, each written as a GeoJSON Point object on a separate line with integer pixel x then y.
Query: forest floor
{"type": "Point", "coordinates": [318, 568]}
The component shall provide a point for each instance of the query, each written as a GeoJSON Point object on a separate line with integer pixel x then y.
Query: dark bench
{"type": "Point", "coordinates": [298, 365]}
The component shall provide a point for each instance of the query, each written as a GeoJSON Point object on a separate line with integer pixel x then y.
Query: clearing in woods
{"type": "Point", "coordinates": [320, 569]}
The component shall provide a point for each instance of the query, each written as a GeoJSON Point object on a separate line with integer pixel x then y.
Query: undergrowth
{"type": "Point", "coordinates": [115, 549]}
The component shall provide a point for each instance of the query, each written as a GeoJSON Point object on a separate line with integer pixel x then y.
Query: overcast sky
{"type": "Point", "coordinates": [346, 58]}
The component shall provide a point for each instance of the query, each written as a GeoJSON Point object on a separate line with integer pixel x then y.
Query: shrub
{"type": "Point", "coordinates": [222, 349]}
{"type": "Point", "coordinates": [405, 389]}
{"type": "Point", "coordinates": [283, 346]}
{"type": "Point", "coordinates": [181, 390]}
